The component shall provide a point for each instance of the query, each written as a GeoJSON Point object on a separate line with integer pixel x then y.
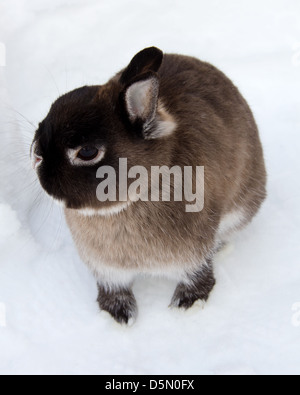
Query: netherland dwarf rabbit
{"type": "Point", "coordinates": [165, 114]}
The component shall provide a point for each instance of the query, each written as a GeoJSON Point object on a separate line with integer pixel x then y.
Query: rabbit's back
{"type": "Point", "coordinates": [216, 129]}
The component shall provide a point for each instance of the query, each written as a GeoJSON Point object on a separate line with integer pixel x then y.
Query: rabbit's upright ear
{"type": "Point", "coordinates": [140, 94]}
{"type": "Point", "coordinates": [141, 100]}
{"type": "Point", "coordinates": [149, 59]}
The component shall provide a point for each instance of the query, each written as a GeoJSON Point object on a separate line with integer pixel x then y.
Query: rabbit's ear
{"type": "Point", "coordinates": [141, 100]}
{"type": "Point", "coordinates": [149, 59]}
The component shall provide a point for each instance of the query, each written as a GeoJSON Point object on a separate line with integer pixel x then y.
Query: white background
{"type": "Point", "coordinates": [52, 325]}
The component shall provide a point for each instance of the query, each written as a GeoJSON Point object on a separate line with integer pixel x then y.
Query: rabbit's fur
{"type": "Point", "coordinates": [192, 115]}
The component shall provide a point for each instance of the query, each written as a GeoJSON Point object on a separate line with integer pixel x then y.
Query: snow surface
{"type": "Point", "coordinates": [52, 324]}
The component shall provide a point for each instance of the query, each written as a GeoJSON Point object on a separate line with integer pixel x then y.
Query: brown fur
{"type": "Point", "coordinates": [215, 129]}
{"type": "Point", "coordinates": [208, 123]}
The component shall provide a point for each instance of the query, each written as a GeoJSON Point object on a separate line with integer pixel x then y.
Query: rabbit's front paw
{"type": "Point", "coordinates": [120, 304]}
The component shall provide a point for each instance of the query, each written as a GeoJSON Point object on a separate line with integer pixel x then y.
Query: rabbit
{"type": "Point", "coordinates": [161, 110]}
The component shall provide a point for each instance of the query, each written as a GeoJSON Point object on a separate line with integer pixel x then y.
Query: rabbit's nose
{"type": "Point", "coordinates": [37, 161]}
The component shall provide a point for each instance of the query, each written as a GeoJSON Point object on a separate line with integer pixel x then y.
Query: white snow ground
{"type": "Point", "coordinates": [49, 321]}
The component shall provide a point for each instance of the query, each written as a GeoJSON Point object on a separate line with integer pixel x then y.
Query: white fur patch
{"type": "Point", "coordinates": [164, 129]}
{"type": "Point", "coordinates": [165, 126]}
{"type": "Point", "coordinates": [131, 322]}
{"type": "Point", "coordinates": [105, 212]}
{"type": "Point", "coordinates": [199, 304]}
{"type": "Point", "coordinates": [176, 272]}
{"type": "Point", "coordinates": [59, 203]}
{"type": "Point", "coordinates": [193, 311]}
{"type": "Point", "coordinates": [113, 277]}
{"type": "Point", "coordinates": [231, 221]}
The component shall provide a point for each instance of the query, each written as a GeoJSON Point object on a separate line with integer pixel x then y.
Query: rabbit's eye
{"type": "Point", "coordinates": [88, 153]}
{"type": "Point", "coordinates": [86, 156]}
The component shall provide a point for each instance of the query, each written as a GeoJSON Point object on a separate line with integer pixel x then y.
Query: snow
{"type": "Point", "coordinates": [49, 320]}
{"type": "Point", "coordinates": [10, 219]}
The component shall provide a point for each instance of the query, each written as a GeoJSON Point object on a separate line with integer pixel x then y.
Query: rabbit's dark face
{"type": "Point", "coordinates": [96, 126]}
{"type": "Point", "coordinates": [70, 145]}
